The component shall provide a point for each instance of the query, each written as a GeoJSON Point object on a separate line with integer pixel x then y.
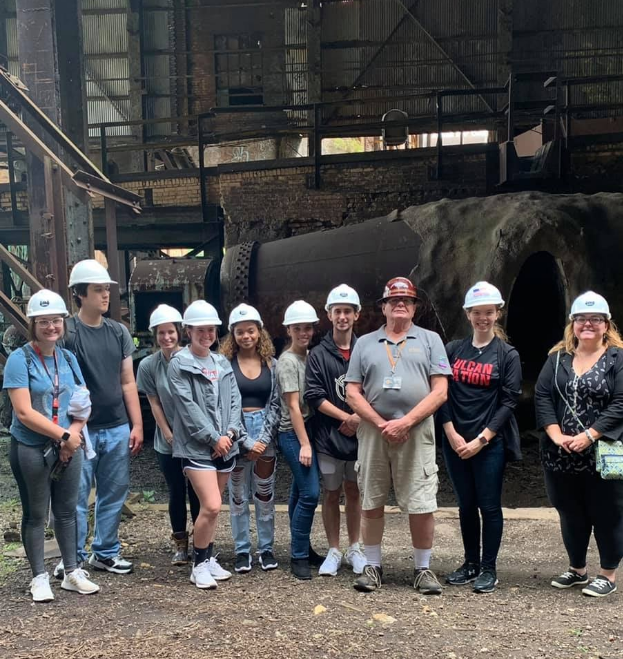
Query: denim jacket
{"type": "Point", "coordinates": [272, 413]}
{"type": "Point", "coordinates": [196, 428]}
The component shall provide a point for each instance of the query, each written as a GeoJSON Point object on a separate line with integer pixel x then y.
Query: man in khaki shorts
{"type": "Point", "coordinates": [396, 380]}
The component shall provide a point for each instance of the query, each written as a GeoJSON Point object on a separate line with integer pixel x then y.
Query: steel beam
{"type": "Point", "coordinates": [112, 256]}
{"type": "Point", "coordinates": [14, 313]}
{"type": "Point", "coordinates": [15, 265]}
{"type": "Point", "coordinates": [58, 239]}
{"type": "Point", "coordinates": [134, 27]}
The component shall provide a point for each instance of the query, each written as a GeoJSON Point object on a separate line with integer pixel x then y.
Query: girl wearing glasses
{"type": "Point", "coordinates": [579, 398]}
{"type": "Point", "coordinates": [480, 433]}
{"type": "Point", "coordinates": [45, 454]}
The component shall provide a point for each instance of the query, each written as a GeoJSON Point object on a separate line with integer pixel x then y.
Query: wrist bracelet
{"type": "Point", "coordinates": [590, 436]}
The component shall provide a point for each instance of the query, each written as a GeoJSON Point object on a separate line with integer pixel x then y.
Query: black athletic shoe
{"type": "Point", "coordinates": [487, 581]}
{"type": "Point", "coordinates": [300, 568]}
{"type": "Point", "coordinates": [243, 563]}
{"type": "Point", "coordinates": [315, 559]}
{"type": "Point", "coordinates": [600, 586]}
{"type": "Point", "coordinates": [569, 579]}
{"type": "Point", "coordinates": [370, 580]}
{"type": "Point", "coordinates": [268, 561]}
{"type": "Point", "coordinates": [467, 573]}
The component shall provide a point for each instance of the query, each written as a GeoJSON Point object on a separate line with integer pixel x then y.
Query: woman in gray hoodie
{"type": "Point", "coordinates": [207, 430]}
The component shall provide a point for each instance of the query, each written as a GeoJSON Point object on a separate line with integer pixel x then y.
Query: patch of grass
{"type": "Point", "coordinates": [8, 565]}
{"type": "Point", "coordinates": [9, 504]}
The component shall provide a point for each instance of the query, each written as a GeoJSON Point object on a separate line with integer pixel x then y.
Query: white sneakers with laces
{"type": "Point", "coordinates": [218, 573]}
{"type": "Point", "coordinates": [202, 577]}
{"type": "Point", "coordinates": [355, 557]}
{"type": "Point", "coordinates": [331, 563]}
{"type": "Point", "coordinates": [40, 588]}
{"type": "Point", "coordinates": [78, 581]}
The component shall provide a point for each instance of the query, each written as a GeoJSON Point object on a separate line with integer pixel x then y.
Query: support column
{"type": "Point", "coordinates": [505, 49]}
{"type": "Point", "coordinates": [136, 82]}
{"type": "Point", "coordinates": [314, 67]}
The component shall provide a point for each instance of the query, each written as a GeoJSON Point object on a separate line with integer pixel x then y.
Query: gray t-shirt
{"type": "Point", "coordinates": [152, 379]}
{"type": "Point", "coordinates": [421, 356]}
{"type": "Point", "coordinates": [100, 352]}
{"type": "Point", "coordinates": [291, 377]}
{"type": "Point", "coordinates": [213, 372]}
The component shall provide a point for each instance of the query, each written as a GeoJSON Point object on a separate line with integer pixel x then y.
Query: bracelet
{"type": "Point", "coordinates": [231, 434]}
{"type": "Point", "coordinates": [590, 435]}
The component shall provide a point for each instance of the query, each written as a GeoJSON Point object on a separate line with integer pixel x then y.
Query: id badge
{"type": "Point", "coordinates": [392, 382]}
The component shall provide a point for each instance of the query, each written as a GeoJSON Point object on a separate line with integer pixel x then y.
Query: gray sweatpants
{"type": "Point", "coordinates": [35, 489]}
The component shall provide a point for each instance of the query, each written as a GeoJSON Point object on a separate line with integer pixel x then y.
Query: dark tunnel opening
{"type": "Point", "coordinates": [536, 318]}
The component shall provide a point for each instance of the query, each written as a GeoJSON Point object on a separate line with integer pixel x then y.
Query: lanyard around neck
{"type": "Point", "coordinates": [394, 362]}
{"type": "Point", "coordinates": [54, 380]}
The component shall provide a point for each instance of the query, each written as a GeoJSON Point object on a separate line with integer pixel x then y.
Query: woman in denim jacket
{"type": "Point", "coordinates": [207, 430]}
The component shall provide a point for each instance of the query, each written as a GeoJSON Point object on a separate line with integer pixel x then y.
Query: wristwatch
{"type": "Point", "coordinates": [231, 434]}
{"type": "Point", "coordinates": [65, 436]}
{"type": "Point", "coordinates": [482, 439]}
{"type": "Point", "coordinates": [590, 435]}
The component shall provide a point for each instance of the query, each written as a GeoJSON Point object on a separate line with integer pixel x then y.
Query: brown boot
{"type": "Point", "coordinates": [180, 557]}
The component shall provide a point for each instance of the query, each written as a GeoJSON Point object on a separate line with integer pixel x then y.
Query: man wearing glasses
{"type": "Point", "coordinates": [396, 380]}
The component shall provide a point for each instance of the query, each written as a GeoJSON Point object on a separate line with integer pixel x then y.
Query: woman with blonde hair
{"type": "Point", "coordinates": [249, 348]}
{"type": "Point", "coordinates": [480, 433]}
{"type": "Point", "coordinates": [579, 399]}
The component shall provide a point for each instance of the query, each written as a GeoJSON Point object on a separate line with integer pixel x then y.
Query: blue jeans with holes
{"type": "Point", "coordinates": [241, 484]}
{"type": "Point", "coordinates": [477, 484]}
{"type": "Point", "coordinates": [304, 494]}
{"type": "Point", "coordinates": [110, 469]}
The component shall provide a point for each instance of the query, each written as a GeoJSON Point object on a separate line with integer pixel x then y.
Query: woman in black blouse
{"type": "Point", "coordinates": [579, 399]}
{"type": "Point", "coordinates": [480, 433]}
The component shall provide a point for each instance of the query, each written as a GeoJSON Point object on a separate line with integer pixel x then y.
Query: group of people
{"type": "Point", "coordinates": [357, 415]}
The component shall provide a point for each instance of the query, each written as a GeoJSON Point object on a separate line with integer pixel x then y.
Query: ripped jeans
{"type": "Point", "coordinates": [245, 480]}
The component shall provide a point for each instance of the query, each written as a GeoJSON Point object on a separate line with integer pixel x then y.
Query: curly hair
{"type": "Point", "coordinates": [265, 347]}
{"type": "Point", "coordinates": [612, 339]}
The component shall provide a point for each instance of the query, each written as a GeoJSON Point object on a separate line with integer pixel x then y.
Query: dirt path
{"type": "Point", "coordinates": [156, 612]}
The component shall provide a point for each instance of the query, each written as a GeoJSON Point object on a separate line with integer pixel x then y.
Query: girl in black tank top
{"type": "Point", "coordinates": [250, 351]}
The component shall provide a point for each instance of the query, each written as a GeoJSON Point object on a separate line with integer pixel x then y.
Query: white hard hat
{"type": "Point", "coordinates": [244, 312]}
{"type": "Point", "coordinates": [46, 303]}
{"type": "Point", "coordinates": [343, 294]}
{"type": "Point", "coordinates": [89, 271]}
{"type": "Point", "coordinates": [163, 313]}
{"type": "Point", "coordinates": [481, 293]}
{"type": "Point", "coordinates": [201, 313]}
{"type": "Point", "coordinates": [300, 312]}
{"type": "Point", "coordinates": [590, 302]}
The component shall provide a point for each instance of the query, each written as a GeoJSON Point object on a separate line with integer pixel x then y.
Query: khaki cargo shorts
{"type": "Point", "coordinates": [411, 467]}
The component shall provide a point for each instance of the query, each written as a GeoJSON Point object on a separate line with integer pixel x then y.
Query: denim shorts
{"type": "Point", "coordinates": [216, 464]}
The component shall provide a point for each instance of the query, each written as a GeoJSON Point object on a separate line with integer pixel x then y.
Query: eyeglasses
{"type": "Point", "coordinates": [395, 301]}
{"type": "Point", "coordinates": [45, 323]}
{"type": "Point", "coordinates": [593, 320]}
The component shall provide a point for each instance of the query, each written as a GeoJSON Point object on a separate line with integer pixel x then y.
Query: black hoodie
{"type": "Point", "coordinates": [324, 380]}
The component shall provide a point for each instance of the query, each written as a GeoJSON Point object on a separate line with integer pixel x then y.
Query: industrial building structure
{"type": "Point", "coordinates": [237, 122]}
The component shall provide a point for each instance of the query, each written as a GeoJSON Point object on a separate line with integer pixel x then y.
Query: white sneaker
{"type": "Point", "coordinates": [218, 573]}
{"type": "Point", "coordinates": [59, 570]}
{"type": "Point", "coordinates": [78, 582]}
{"type": "Point", "coordinates": [201, 576]}
{"type": "Point", "coordinates": [355, 557]}
{"type": "Point", "coordinates": [331, 563]}
{"type": "Point", "coordinates": [40, 588]}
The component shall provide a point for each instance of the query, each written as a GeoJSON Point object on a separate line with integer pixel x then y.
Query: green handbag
{"type": "Point", "coordinates": [609, 457]}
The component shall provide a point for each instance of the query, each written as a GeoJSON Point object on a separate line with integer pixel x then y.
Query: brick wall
{"type": "Point", "coordinates": [268, 204]}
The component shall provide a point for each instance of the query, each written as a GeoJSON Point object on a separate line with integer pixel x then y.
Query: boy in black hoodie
{"type": "Point", "coordinates": [335, 427]}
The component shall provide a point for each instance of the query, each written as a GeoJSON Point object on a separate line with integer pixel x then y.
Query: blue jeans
{"type": "Point", "coordinates": [111, 470]}
{"type": "Point", "coordinates": [304, 494]}
{"type": "Point", "coordinates": [477, 484]}
{"type": "Point", "coordinates": [243, 480]}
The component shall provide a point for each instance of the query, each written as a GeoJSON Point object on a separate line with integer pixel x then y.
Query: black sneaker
{"type": "Point", "coordinates": [467, 573]}
{"type": "Point", "coordinates": [300, 568]}
{"type": "Point", "coordinates": [487, 581]}
{"type": "Point", "coordinates": [315, 559]}
{"type": "Point", "coordinates": [243, 563]}
{"type": "Point", "coordinates": [116, 564]}
{"type": "Point", "coordinates": [268, 561]}
{"type": "Point", "coordinates": [370, 580]}
{"type": "Point", "coordinates": [600, 586]}
{"type": "Point", "coordinates": [569, 579]}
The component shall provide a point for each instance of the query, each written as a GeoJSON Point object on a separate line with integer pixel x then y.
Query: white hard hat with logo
{"type": "Point", "coordinates": [201, 313]}
{"type": "Point", "coordinates": [163, 313]}
{"type": "Point", "coordinates": [300, 312]}
{"type": "Point", "coordinates": [482, 293]}
{"type": "Point", "coordinates": [242, 313]}
{"type": "Point", "coordinates": [343, 294]}
{"type": "Point", "coordinates": [590, 302]}
{"type": "Point", "coordinates": [46, 303]}
{"type": "Point", "coordinates": [89, 271]}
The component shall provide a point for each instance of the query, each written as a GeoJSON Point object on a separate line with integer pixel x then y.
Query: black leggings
{"type": "Point", "coordinates": [586, 503]}
{"type": "Point", "coordinates": [178, 486]}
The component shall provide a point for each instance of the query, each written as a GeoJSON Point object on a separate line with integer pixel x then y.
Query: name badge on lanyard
{"type": "Point", "coordinates": [393, 381]}
{"type": "Point", "coordinates": [55, 382]}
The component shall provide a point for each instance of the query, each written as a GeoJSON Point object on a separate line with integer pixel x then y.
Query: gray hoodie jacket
{"type": "Point", "coordinates": [196, 427]}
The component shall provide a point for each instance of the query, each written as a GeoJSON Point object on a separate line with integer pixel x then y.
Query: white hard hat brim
{"type": "Point", "coordinates": [47, 312]}
{"type": "Point", "coordinates": [207, 322]}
